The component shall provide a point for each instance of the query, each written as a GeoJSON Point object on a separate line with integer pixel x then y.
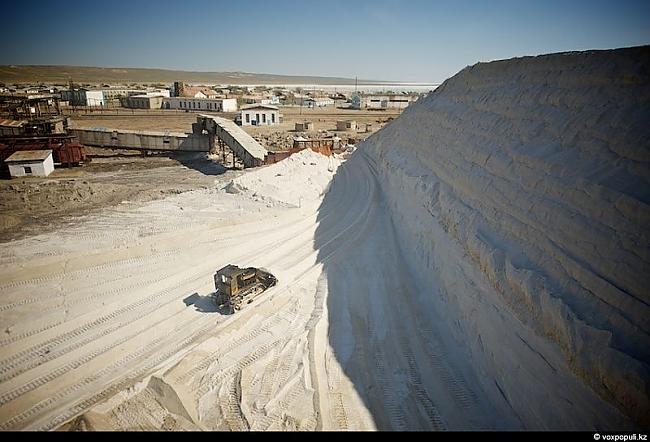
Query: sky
{"type": "Point", "coordinates": [423, 41]}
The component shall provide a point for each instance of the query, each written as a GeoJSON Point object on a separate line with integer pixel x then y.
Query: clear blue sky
{"type": "Point", "coordinates": [421, 41]}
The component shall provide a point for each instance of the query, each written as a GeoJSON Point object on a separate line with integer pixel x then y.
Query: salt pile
{"type": "Point", "coordinates": [303, 176]}
{"type": "Point", "coordinates": [536, 170]}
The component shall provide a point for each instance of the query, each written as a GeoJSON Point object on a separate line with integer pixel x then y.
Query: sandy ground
{"type": "Point", "coordinates": [35, 205]}
{"type": "Point", "coordinates": [479, 264]}
{"type": "Point", "coordinates": [278, 137]}
{"type": "Point", "coordinates": [109, 324]}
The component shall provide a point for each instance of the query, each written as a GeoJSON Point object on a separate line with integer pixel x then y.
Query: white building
{"type": "Point", "coordinates": [393, 101]}
{"type": "Point", "coordinates": [318, 102]}
{"type": "Point", "coordinates": [144, 101]}
{"type": "Point", "coordinates": [209, 104]}
{"type": "Point", "coordinates": [30, 163]}
{"type": "Point", "coordinates": [158, 92]}
{"type": "Point", "coordinates": [273, 100]}
{"type": "Point", "coordinates": [260, 115]}
{"type": "Point", "coordinates": [96, 97]}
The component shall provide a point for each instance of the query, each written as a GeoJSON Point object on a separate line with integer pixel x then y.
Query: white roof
{"type": "Point", "coordinates": [260, 106]}
{"type": "Point", "coordinates": [28, 155]}
{"type": "Point", "coordinates": [147, 96]}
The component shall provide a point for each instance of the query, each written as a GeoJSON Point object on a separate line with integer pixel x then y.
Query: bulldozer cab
{"type": "Point", "coordinates": [231, 279]}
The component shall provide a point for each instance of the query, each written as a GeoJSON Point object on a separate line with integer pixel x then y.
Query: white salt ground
{"type": "Point", "coordinates": [477, 264]}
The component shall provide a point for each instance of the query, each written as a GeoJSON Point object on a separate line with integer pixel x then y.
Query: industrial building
{"type": "Point", "coordinates": [96, 97]}
{"type": "Point", "coordinates": [145, 101]}
{"type": "Point", "coordinates": [180, 89]}
{"type": "Point", "coordinates": [318, 102]}
{"type": "Point", "coordinates": [36, 124]}
{"type": "Point", "coordinates": [12, 127]}
{"type": "Point", "coordinates": [387, 101]}
{"type": "Point", "coordinates": [303, 126]}
{"type": "Point", "coordinates": [260, 99]}
{"type": "Point", "coordinates": [260, 115]}
{"type": "Point", "coordinates": [30, 163]}
{"type": "Point", "coordinates": [210, 104]}
{"type": "Point", "coordinates": [344, 125]}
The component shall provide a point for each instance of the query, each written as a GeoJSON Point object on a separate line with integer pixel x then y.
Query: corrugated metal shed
{"type": "Point", "coordinates": [28, 155]}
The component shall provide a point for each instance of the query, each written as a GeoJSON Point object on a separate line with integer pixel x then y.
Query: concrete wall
{"type": "Point", "coordinates": [229, 105]}
{"type": "Point", "coordinates": [39, 168]}
{"type": "Point", "coordinates": [201, 104]}
{"type": "Point", "coordinates": [346, 125]}
{"type": "Point", "coordinates": [143, 102]}
{"type": "Point", "coordinates": [142, 140]}
{"type": "Point", "coordinates": [387, 101]}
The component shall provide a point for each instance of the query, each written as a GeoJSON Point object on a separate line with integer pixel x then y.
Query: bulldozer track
{"type": "Point", "coordinates": [206, 361]}
{"type": "Point", "coordinates": [88, 326]}
{"type": "Point", "coordinates": [231, 405]}
{"type": "Point", "coordinates": [455, 384]}
{"type": "Point", "coordinates": [266, 388]}
{"type": "Point", "coordinates": [101, 295]}
{"type": "Point", "coordinates": [283, 404]}
{"type": "Point", "coordinates": [83, 330]}
{"type": "Point", "coordinates": [415, 381]}
{"type": "Point", "coordinates": [73, 273]}
{"type": "Point", "coordinates": [238, 366]}
{"type": "Point", "coordinates": [283, 371]}
{"type": "Point", "coordinates": [340, 416]}
{"type": "Point", "coordinates": [42, 380]}
{"type": "Point", "coordinates": [395, 413]}
{"type": "Point", "coordinates": [104, 394]}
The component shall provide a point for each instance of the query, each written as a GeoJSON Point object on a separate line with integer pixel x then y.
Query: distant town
{"type": "Point", "coordinates": [77, 117]}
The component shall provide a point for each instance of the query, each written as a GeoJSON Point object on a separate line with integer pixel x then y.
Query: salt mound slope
{"type": "Point", "coordinates": [301, 178]}
{"type": "Point", "coordinates": [538, 169]}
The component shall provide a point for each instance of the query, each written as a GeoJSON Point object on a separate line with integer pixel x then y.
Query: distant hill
{"type": "Point", "coordinates": [10, 74]}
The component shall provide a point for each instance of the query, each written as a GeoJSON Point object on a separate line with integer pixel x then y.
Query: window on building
{"type": "Point", "coordinates": [27, 169]}
{"type": "Point", "coordinates": [263, 118]}
{"type": "Point", "coordinates": [257, 117]}
{"type": "Point", "coordinates": [248, 118]}
{"type": "Point", "coordinates": [272, 118]}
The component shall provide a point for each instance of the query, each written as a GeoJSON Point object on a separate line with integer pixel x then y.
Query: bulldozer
{"type": "Point", "coordinates": [237, 287]}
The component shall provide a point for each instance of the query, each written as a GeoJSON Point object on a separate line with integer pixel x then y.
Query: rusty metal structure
{"type": "Point", "coordinates": [323, 145]}
{"type": "Point", "coordinates": [236, 287]}
{"type": "Point", "coordinates": [34, 122]}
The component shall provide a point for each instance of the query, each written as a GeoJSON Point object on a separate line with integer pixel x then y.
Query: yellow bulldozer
{"type": "Point", "coordinates": [237, 287]}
